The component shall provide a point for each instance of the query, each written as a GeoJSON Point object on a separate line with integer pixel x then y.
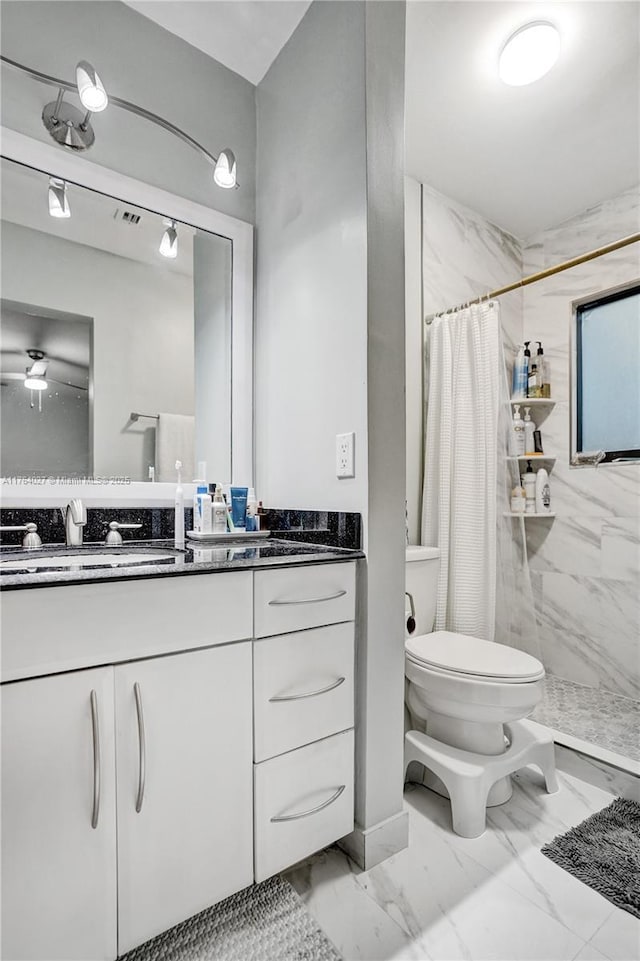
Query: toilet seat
{"type": "Point", "coordinates": [446, 652]}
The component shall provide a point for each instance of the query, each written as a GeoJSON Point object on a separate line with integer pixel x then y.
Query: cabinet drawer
{"type": "Point", "coordinates": [303, 802]}
{"type": "Point", "coordinates": [302, 688]}
{"type": "Point", "coordinates": [293, 599]}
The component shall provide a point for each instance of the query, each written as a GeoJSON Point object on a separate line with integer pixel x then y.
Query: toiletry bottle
{"type": "Point", "coordinates": [252, 508]}
{"type": "Point", "coordinates": [518, 500]}
{"type": "Point", "coordinates": [260, 515]}
{"type": "Point", "coordinates": [529, 428]}
{"type": "Point", "coordinates": [517, 433]}
{"type": "Point", "coordinates": [202, 510]}
{"type": "Point", "coordinates": [526, 367]}
{"type": "Point", "coordinates": [543, 367]}
{"type": "Point", "coordinates": [178, 524]}
{"type": "Point", "coordinates": [535, 382]}
{"type": "Point", "coordinates": [529, 484]}
{"type": "Point", "coordinates": [543, 492]}
{"type": "Point", "coordinates": [537, 442]}
{"type": "Point", "coordinates": [219, 511]}
{"type": "Point", "coordinates": [519, 390]}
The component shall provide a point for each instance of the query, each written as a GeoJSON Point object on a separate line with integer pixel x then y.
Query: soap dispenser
{"type": "Point", "coordinates": [516, 437]}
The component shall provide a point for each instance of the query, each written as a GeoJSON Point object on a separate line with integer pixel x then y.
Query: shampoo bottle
{"type": "Point", "coordinates": [543, 367]}
{"type": "Point", "coordinates": [529, 428]}
{"type": "Point", "coordinates": [516, 438]}
{"type": "Point", "coordinates": [178, 524]}
{"type": "Point", "coordinates": [543, 492]}
{"type": "Point", "coordinates": [219, 511]}
{"type": "Point", "coordinates": [519, 385]}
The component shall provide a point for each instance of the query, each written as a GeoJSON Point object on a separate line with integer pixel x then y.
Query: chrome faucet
{"type": "Point", "coordinates": [75, 517]}
{"type": "Point", "coordinates": [31, 540]}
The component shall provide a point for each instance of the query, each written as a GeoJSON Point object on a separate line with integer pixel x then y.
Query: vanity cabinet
{"type": "Point", "coordinates": [215, 747]}
{"type": "Point", "coordinates": [59, 818]}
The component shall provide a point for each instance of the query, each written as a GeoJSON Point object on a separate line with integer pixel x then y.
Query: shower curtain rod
{"type": "Point", "coordinates": [542, 274]}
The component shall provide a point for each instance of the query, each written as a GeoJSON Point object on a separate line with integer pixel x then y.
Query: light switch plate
{"type": "Point", "coordinates": [345, 455]}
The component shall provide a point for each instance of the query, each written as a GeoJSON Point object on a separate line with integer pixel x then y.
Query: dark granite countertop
{"type": "Point", "coordinates": [194, 559]}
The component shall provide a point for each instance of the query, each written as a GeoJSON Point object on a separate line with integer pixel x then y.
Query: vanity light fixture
{"type": "Point", "coordinates": [71, 128]}
{"type": "Point", "coordinates": [58, 200]}
{"type": "Point", "coordinates": [224, 173]}
{"type": "Point", "coordinates": [169, 243]}
{"type": "Point", "coordinates": [529, 53]}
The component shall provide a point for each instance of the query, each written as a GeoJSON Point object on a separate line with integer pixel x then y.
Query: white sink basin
{"type": "Point", "coordinates": [77, 561]}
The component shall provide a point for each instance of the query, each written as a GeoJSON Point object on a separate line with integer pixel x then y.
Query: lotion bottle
{"type": "Point", "coordinates": [202, 510]}
{"type": "Point", "coordinates": [178, 524]}
{"type": "Point", "coordinates": [517, 433]}
{"type": "Point", "coordinates": [219, 511]}
{"type": "Point", "coordinates": [529, 428]}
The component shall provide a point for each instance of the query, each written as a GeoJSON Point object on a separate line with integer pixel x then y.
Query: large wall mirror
{"type": "Point", "coordinates": [121, 339]}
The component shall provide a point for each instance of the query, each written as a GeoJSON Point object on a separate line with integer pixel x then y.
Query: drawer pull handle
{"type": "Point", "coordinates": [299, 697]}
{"type": "Point", "coordinates": [308, 600]}
{"type": "Point", "coordinates": [142, 748]}
{"type": "Point", "coordinates": [95, 731]}
{"type": "Point", "coordinates": [306, 814]}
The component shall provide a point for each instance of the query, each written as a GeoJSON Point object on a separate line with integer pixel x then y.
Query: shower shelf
{"type": "Point", "coordinates": [533, 402]}
{"type": "Point", "coordinates": [549, 460]}
{"type": "Point", "coordinates": [528, 517]}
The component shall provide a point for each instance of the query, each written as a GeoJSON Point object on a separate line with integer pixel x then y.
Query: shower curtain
{"type": "Point", "coordinates": [484, 587]}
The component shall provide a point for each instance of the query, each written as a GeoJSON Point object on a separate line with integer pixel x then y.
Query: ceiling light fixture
{"type": "Point", "coordinates": [224, 173]}
{"type": "Point", "coordinates": [71, 128]}
{"type": "Point", "coordinates": [169, 243]}
{"type": "Point", "coordinates": [35, 383]}
{"type": "Point", "coordinates": [529, 53]}
{"type": "Point", "coordinates": [58, 201]}
{"type": "Point", "coordinates": [33, 378]}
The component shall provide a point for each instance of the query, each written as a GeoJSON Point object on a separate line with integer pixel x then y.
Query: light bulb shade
{"type": "Point", "coordinates": [225, 169]}
{"type": "Point", "coordinates": [58, 201]}
{"type": "Point", "coordinates": [35, 383]}
{"type": "Point", "coordinates": [529, 53]}
{"type": "Point", "coordinates": [169, 243]}
{"type": "Point", "coordinates": [90, 88]}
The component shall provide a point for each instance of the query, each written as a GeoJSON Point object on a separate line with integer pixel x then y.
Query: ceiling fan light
{"type": "Point", "coordinates": [35, 383]}
{"type": "Point", "coordinates": [224, 173]}
{"type": "Point", "coordinates": [169, 243]}
{"type": "Point", "coordinates": [529, 53]}
{"type": "Point", "coordinates": [90, 88]}
{"type": "Point", "coordinates": [58, 201]}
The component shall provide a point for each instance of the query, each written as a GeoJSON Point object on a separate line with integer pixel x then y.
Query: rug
{"type": "Point", "coordinates": [265, 922]}
{"type": "Point", "coordinates": [604, 852]}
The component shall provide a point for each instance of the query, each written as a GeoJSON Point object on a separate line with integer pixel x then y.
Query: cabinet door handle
{"type": "Point", "coordinates": [308, 600]}
{"type": "Point", "coordinates": [299, 697]}
{"type": "Point", "coordinates": [306, 814]}
{"type": "Point", "coordinates": [142, 748]}
{"type": "Point", "coordinates": [95, 731]}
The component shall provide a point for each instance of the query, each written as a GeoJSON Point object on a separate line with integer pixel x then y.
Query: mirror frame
{"type": "Point", "coordinates": [84, 173]}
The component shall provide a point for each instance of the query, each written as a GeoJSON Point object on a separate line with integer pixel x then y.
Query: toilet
{"type": "Point", "coordinates": [466, 700]}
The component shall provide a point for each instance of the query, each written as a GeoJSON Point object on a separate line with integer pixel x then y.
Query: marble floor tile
{"type": "Point", "coordinates": [592, 714]}
{"type": "Point", "coordinates": [619, 937]}
{"type": "Point", "coordinates": [360, 929]}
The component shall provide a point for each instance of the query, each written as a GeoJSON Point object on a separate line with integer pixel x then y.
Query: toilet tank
{"type": "Point", "coordinates": [421, 581]}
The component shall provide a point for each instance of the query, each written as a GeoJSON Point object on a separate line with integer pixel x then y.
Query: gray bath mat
{"type": "Point", "coordinates": [604, 852]}
{"type": "Point", "coordinates": [266, 922]}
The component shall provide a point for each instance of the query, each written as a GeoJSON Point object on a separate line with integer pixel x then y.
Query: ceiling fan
{"type": "Point", "coordinates": [35, 375]}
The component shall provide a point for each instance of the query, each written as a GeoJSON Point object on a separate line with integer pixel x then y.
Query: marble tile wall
{"type": "Point", "coordinates": [586, 562]}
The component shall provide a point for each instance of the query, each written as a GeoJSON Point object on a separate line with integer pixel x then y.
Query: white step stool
{"type": "Point", "coordinates": [469, 777]}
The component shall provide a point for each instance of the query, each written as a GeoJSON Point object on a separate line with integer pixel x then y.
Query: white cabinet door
{"type": "Point", "coordinates": [58, 818]}
{"type": "Point", "coordinates": [184, 786]}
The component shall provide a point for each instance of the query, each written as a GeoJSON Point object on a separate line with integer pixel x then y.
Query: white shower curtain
{"type": "Point", "coordinates": [484, 587]}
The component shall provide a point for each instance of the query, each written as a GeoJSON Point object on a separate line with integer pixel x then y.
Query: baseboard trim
{"type": "Point", "coordinates": [369, 846]}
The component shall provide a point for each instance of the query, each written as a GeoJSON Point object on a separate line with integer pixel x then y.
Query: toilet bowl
{"type": "Point", "coordinates": [463, 691]}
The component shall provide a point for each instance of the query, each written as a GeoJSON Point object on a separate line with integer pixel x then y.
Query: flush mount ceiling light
{"type": "Point", "coordinates": [169, 243]}
{"type": "Point", "coordinates": [70, 127]}
{"type": "Point", "coordinates": [58, 202]}
{"type": "Point", "coordinates": [529, 53]}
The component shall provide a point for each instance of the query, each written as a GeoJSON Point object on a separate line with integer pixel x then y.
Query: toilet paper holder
{"type": "Point", "coordinates": [411, 618]}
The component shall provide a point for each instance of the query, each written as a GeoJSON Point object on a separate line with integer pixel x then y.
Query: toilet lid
{"type": "Point", "coordinates": [462, 654]}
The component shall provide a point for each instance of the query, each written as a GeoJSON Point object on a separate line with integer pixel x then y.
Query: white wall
{"type": "Point", "coordinates": [330, 339]}
{"type": "Point", "coordinates": [586, 563]}
{"type": "Point", "coordinates": [414, 353]}
{"type": "Point", "coordinates": [137, 61]}
{"type": "Point", "coordinates": [142, 335]}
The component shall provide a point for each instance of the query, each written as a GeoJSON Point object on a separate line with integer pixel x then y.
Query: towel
{"type": "Point", "coordinates": [174, 441]}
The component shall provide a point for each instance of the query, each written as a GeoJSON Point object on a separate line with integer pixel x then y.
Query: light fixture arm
{"type": "Point", "coordinates": [64, 85]}
{"type": "Point", "coordinates": [56, 109]}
